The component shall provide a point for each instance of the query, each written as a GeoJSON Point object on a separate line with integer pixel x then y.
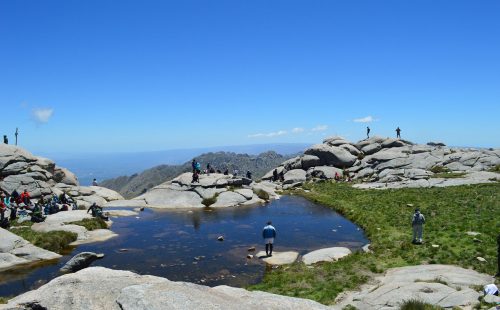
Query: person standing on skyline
{"type": "Point", "coordinates": [367, 132]}
{"type": "Point", "coordinates": [398, 133]}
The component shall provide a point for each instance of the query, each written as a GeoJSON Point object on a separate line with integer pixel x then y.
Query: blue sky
{"type": "Point", "coordinates": [104, 76]}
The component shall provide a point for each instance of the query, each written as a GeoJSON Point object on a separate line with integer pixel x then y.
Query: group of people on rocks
{"type": "Point", "coordinates": [23, 208]}
{"type": "Point", "coordinates": [196, 170]}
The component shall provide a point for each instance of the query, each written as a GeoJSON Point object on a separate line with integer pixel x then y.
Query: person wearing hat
{"type": "Point", "coordinates": [417, 222]}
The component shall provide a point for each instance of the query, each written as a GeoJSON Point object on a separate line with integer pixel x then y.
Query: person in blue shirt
{"type": "Point", "coordinates": [269, 233]}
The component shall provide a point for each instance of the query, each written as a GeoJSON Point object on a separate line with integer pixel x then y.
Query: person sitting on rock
{"type": "Point", "coordinates": [16, 196]}
{"type": "Point", "coordinates": [417, 222]}
{"type": "Point", "coordinates": [63, 199]}
{"type": "Point", "coordinates": [275, 175]}
{"type": "Point", "coordinates": [36, 215]}
{"type": "Point", "coordinates": [26, 198]}
{"type": "Point", "coordinates": [3, 208]}
{"type": "Point", "coordinates": [94, 182]}
{"type": "Point", "coordinates": [249, 175]}
{"type": "Point", "coordinates": [337, 176]}
{"type": "Point", "coordinates": [282, 176]}
{"type": "Point", "coordinates": [97, 211]}
{"type": "Point", "coordinates": [269, 233]}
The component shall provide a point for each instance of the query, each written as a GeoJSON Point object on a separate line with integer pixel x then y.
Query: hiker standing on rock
{"type": "Point", "coordinates": [417, 224]}
{"type": "Point", "coordinates": [367, 132]}
{"type": "Point", "coordinates": [5, 139]}
{"type": "Point", "coordinates": [269, 233]}
{"type": "Point", "coordinates": [398, 133]}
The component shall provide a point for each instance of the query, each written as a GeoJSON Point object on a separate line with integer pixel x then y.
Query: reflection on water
{"type": "Point", "coordinates": [183, 246]}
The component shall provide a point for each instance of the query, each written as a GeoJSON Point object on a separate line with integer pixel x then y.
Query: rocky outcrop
{"type": "Point", "coordinates": [101, 288]}
{"type": "Point", "coordinates": [20, 170]}
{"type": "Point", "coordinates": [325, 255]}
{"type": "Point", "coordinates": [279, 258]}
{"type": "Point", "coordinates": [213, 190]}
{"type": "Point", "coordinates": [80, 261]}
{"type": "Point", "coordinates": [15, 251]}
{"type": "Point", "coordinates": [442, 285]}
{"type": "Point", "coordinates": [391, 163]}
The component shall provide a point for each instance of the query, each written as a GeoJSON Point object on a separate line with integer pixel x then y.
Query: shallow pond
{"type": "Point", "coordinates": [183, 246]}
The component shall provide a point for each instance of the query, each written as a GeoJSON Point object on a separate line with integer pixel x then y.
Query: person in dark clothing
{"type": "Point", "coordinates": [15, 195]}
{"type": "Point", "coordinates": [97, 211]}
{"type": "Point", "coordinates": [282, 176]}
{"type": "Point", "coordinates": [275, 175]}
{"type": "Point", "coordinates": [269, 233]}
{"type": "Point", "coordinates": [5, 139]}
{"type": "Point", "coordinates": [193, 165]}
{"type": "Point", "coordinates": [398, 133]}
{"type": "Point", "coordinates": [63, 199]}
{"type": "Point", "coordinates": [367, 132]}
{"type": "Point", "coordinates": [249, 175]}
{"type": "Point", "coordinates": [196, 177]}
{"type": "Point", "coordinates": [226, 172]}
{"type": "Point", "coordinates": [36, 216]}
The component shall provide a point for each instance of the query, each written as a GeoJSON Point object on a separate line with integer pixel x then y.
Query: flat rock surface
{"type": "Point", "coordinates": [400, 284]}
{"type": "Point", "coordinates": [14, 251]}
{"type": "Point", "coordinates": [171, 199]}
{"type": "Point", "coordinates": [133, 203]}
{"type": "Point", "coordinates": [325, 255]}
{"type": "Point", "coordinates": [101, 288]}
{"type": "Point", "coordinates": [117, 213]}
{"type": "Point", "coordinates": [279, 258]}
{"type": "Point", "coordinates": [228, 199]}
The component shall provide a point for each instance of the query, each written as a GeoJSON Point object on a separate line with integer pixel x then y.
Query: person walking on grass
{"type": "Point", "coordinates": [269, 233]}
{"type": "Point", "coordinates": [417, 223]}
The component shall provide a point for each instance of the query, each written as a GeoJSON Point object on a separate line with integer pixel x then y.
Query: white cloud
{"type": "Point", "coordinates": [297, 130]}
{"type": "Point", "coordinates": [320, 128]}
{"type": "Point", "coordinates": [269, 135]}
{"type": "Point", "coordinates": [42, 115]}
{"type": "Point", "coordinates": [366, 119]}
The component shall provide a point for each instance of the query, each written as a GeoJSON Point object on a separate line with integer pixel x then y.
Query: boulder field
{"type": "Point", "coordinates": [101, 288]}
{"type": "Point", "coordinates": [213, 190]}
{"type": "Point", "coordinates": [390, 163]}
{"type": "Point", "coordinates": [20, 170]}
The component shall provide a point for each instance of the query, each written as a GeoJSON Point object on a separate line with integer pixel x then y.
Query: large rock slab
{"type": "Point", "coordinates": [295, 176]}
{"type": "Point", "coordinates": [171, 199]}
{"type": "Point", "coordinates": [400, 284]}
{"type": "Point", "coordinates": [332, 155]}
{"type": "Point", "coordinates": [99, 288]}
{"type": "Point", "coordinates": [133, 203]}
{"type": "Point", "coordinates": [323, 172]}
{"type": "Point", "coordinates": [325, 255]}
{"type": "Point", "coordinates": [228, 199]}
{"type": "Point", "coordinates": [80, 261]}
{"type": "Point", "coordinates": [15, 251]}
{"type": "Point", "coordinates": [279, 258]}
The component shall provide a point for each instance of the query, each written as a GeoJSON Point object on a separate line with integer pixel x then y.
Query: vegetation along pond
{"type": "Point", "coordinates": [183, 246]}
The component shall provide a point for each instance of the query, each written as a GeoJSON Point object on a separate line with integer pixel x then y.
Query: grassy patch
{"type": "Point", "coordinates": [495, 169]}
{"type": "Point", "coordinates": [449, 175]}
{"type": "Point", "coordinates": [55, 241]}
{"type": "Point", "coordinates": [440, 169]}
{"type": "Point", "coordinates": [4, 300]}
{"type": "Point", "coordinates": [386, 220]}
{"type": "Point", "coordinates": [92, 224]}
{"type": "Point", "coordinates": [415, 304]}
{"type": "Point", "coordinates": [207, 202]}
{"type": "Point", "coordinates": [262, 194]}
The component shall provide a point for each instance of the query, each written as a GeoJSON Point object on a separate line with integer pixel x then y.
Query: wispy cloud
{"type": "Point", "coordinates": [320, 128]}
{"type": "Point", "coordinates": [42, 115]}
{"type": "Point", "coordinates": [269, 135]}
{"type": "Point", "coordinates": [366, 119]}
{"type": "Point", "coordinates": [297, 130]}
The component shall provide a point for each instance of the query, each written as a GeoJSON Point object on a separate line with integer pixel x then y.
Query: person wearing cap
{"type": "Point", "coordinates": [417, 222]}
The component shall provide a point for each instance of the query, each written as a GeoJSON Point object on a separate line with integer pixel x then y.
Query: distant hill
{"type": "Point", "coordinates": [139, 183]}
{"type": "Point", "coordinates": [102, 166]}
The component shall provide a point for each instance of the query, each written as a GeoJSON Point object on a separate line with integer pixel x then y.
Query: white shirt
{"type": "Point", "coordinates": [490, 289]}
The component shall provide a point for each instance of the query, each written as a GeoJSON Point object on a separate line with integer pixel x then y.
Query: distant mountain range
{"type": "Point", "coordinates": [111, 165]}
{"type": "Point", "coordinates": [137, 184]}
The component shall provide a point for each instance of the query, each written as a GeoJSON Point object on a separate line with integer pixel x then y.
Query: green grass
{"type": "Point", "coordinates": [495, 169]}
{"type": "Point", "coordinates": [450, 212]}
{"type": "Point", "coordinates": [414, 304]}
{"type": "Point", "coordinates": [207, 202]}
{"type": "Point", "coordinates": [92, 224]}
{"type": "Point", "coordinates": [449, 175]}
{"type": "Point", "coordinates": [55, 241]}
{"type": "Point", "coordinates": [4, 300]}
{"type": "Point", "coordinates": [440, 169]}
